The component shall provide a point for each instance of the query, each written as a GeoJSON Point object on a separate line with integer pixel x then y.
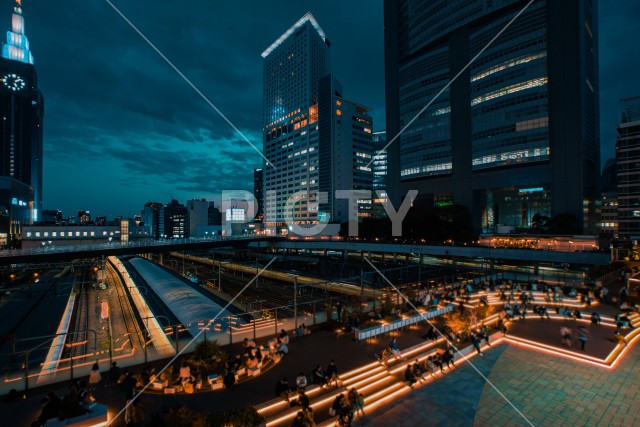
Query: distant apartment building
{"type": "Point", "coordinates": [198, 214]}
{"type": "Point", "coordinates": [174, 221]}
{"type": "Point", "coordinates": [214, 215]}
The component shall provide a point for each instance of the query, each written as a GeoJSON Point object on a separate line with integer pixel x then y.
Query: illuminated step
{"type": "Point", "coordinates": [369, 383]}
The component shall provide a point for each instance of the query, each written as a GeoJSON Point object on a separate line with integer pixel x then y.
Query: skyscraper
{"type": "Point", "coordinates": [22, 109]}
{"type": "Point", "coordinates": [258, 192]}
{"type": "Point", "coordinates": [313, 138]}
{"type": "Point", "coordinates": [628, 169]}
{"type": "Point", "coordinates": [516, 133]}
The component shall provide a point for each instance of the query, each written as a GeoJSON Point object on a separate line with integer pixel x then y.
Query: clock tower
{"type": "Point", "coordinates": [21, 113]}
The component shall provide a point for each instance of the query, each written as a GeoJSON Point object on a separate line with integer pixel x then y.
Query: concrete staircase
{"type": "Point", "coordinates": [379, 383]}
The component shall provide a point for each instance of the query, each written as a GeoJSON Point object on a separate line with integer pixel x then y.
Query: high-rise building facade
{"type": "Point", "coordinates": [293, 66]}
{"type": "Point", "coordinates": [346, 147]}
{"type": "Point", "coordinates": [174, 221]}
{"type": "Point", "coordinates": [628, 169]}
{"type": "Point", "coordinates": [307, 124]}
{"type": "Point", "coordinates": [514, 135]}
{"type": "Point", "coordinates": [258, 192]}
{"type": "Point", "coordinates": [379, 167]}
{"type": "Point", "coordinates": [22, 109]}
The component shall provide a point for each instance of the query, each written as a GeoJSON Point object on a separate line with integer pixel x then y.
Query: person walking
{"type": "Point", "coordinates": [583, 336]}
{"type": "Point", "coordinates": [476, 343]}
{"type": "Point", "coordinates": [484, 334]}
{"type": "Point", "coordinates": [501, 326]}
{"type": "Point", "coordinates": [565, 333]}
{"type": "Point", "coordinates": [393, 346]}
{"type": "Point", "coordinates": [134, 412]}
{"type": "Point", "coordinates": [94, 376]}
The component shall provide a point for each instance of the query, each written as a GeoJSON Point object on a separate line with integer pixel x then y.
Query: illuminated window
{"type": "Point", "coordinates": [313, 113]}
{"type": "Point", "coordinates": [339, 112]}
{"type": "Point", "coordinates": [338, 102]}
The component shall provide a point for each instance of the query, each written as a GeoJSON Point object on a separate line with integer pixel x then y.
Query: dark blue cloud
{"type": "Point", "coordinates": [122, 128]}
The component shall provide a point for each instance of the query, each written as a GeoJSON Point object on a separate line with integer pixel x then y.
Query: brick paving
{"type": "Point", "coordinates": [550, 391]}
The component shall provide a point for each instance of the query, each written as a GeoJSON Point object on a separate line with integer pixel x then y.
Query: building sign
{"type": "Point", "coordinates": [531, 190]}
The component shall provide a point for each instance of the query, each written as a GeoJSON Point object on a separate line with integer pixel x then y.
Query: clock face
{"type": "Point", "coordinates": [13, 82]}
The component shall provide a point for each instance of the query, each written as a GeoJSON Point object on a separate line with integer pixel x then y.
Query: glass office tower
{"type": "Point", "coordinates": [516, 134]}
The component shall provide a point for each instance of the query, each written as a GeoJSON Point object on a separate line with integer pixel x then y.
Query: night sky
{"type": "Point", "coordinates": [122, 128]}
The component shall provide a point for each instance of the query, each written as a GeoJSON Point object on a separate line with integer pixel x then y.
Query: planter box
{"type": "Point", "coordinates": [397, 324]}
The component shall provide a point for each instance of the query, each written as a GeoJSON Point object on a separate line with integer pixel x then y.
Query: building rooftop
{"type": "Point", "coordinates": [630, 109]}
{"type": "Point", "coordinates": [308, 17]}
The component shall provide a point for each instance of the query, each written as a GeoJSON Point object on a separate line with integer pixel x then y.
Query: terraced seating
{"type": "Point", "coordinates": [539, 298]}
{"type": "Point", "coordinates": [378, 382]}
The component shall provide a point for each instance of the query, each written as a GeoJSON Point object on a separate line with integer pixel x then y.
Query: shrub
{"type": "Point", "coordinates": [242, 417]}
{"type": "Point", "coordinates": [209, 355]}
{"type": "Point", "coordinates": [185, 417]}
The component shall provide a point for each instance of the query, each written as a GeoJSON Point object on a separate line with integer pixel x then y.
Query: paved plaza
{"type": "Point", "coordinates": [548, 390]}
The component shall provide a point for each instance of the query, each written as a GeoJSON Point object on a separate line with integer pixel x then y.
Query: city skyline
{"type": "Point", "coordinates": [110, 151]}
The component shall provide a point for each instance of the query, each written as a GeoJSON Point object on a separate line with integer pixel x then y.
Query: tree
{"type": "Point", "coordinates": [458, 322]}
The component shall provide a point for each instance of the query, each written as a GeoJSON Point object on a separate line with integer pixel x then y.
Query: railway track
{"type": "Point", "coordinates": [78, 341]}
{"type": "Point", "coordinates": [126, 334]}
